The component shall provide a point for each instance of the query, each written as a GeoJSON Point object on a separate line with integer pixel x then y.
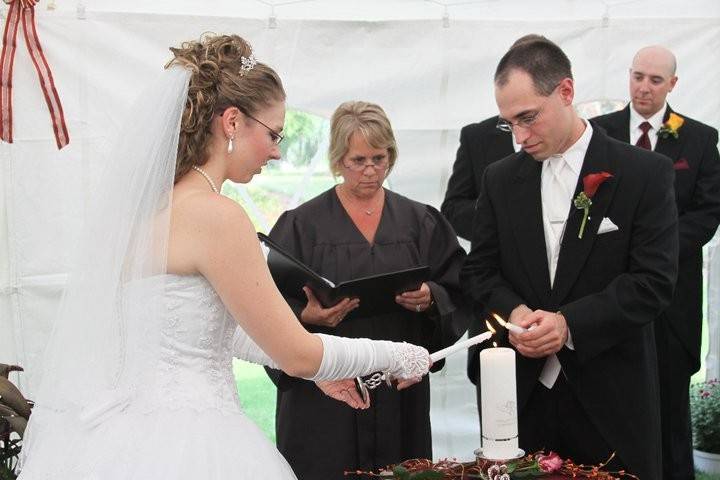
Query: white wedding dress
{"type": "Point", "coordinates": [185, 420]}
{"type": "Point", "coordinates": [136, 380]}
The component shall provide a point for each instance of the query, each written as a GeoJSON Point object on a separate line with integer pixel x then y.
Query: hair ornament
{"type": "Point", "coordinates": [247, 64]}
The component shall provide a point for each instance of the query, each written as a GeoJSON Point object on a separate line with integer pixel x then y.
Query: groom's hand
{"type": "Point", "coordinates": [547, 337]}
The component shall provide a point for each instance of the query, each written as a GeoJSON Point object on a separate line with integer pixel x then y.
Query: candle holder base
{"type": "Point", "coordinates": [480, 456]}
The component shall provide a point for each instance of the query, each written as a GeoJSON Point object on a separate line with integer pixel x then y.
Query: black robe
{"type": "Point", "coordinates": [321, 437]}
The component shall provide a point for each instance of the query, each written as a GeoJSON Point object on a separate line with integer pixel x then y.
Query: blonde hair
{"type": "Point", "coordinates": [364, 117]}
{"type": "Point", "coordinates": [216, 84]}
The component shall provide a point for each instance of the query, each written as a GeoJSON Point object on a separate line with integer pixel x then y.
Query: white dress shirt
{"type": "Point", "coordinates": [558, 180]}
{"type": "Point", "coordinates": [655, 122]}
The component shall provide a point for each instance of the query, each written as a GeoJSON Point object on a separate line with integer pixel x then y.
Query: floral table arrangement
{"type": "Point", "coordinates": [538, 464]}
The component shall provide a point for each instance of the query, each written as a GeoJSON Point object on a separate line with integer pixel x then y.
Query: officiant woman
{"type": "Point", "coordinates": [357, 229]}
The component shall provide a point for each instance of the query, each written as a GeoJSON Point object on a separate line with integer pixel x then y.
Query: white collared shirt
{"type": "Point", "coordinates": [655, 122]}
{"type": "Point", "coordinates": [569, 164]}
{"type": "Point", "coordinates": [557, 199]}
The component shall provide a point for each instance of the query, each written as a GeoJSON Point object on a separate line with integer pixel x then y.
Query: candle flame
{"type": "Point", "coordinates": [489, 327]}
{"type": "Point", "coordinates": [499, 319]}
{"type": "Point", "coordinates": [494, 344]}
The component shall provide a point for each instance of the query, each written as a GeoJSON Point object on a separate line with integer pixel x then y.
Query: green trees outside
{"type": "Point", "coordinates": [282, 185]}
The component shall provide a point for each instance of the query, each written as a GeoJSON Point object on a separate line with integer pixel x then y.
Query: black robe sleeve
{"type": "Point", "coordinates": [441, 251]}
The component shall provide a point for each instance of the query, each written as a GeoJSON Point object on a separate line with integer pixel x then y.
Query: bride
{"type": "Point", "coordinates": [171, 283]}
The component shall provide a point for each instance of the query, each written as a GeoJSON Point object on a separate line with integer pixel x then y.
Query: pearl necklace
{"type": "Point", "coordinates": [207, 177]}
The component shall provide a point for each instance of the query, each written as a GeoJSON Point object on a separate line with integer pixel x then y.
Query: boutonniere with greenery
{"type": "Point", "coordinates": [671, 127]}
{"type": "Point", "coordinates": [583, 201]}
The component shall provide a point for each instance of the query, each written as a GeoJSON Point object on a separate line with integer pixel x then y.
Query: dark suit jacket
{"type": "Point", "coordinates": [697, 193]}
{"type": "Point", "coordinates": [609, 287]}
{"type": "Point", "coordinates": [480, 145]}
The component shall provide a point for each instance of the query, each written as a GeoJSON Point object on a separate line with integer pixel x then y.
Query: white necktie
{"type": "Point", "coordinates": [555, 203]}
{"type": "Point", "coordinates": [556, 207]}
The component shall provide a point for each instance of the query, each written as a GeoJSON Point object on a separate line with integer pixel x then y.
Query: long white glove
{"type": "Point", "coordinates": [245, 348]}
{"type": "Point", "coordinates": [348, 357]}
{"type": "Point", "coordinates": [356, 357]}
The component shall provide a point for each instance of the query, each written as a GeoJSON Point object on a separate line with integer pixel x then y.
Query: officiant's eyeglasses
{"type": "Point", "coordinates": [359, 164]}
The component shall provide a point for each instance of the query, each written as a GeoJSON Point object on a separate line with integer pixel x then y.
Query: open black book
{"type": "Point", "coordinates": [376, 293]}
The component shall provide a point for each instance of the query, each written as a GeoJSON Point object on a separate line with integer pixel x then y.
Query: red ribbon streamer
{"type": "Point", "coordinates": [23, 12]}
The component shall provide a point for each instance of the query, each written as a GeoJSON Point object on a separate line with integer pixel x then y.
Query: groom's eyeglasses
{"type": "Point", "coordinates": [527, 120]}
{"type": "Point", "coordinates": [523, 122]}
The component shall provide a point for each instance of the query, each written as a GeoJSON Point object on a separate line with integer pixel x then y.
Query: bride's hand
{"type": "Point", "coordinates": [403, 383]}
{"type": "Point", "coordinates": [344, 391]}
{"type": "Point", "coordinates": [407, 382]}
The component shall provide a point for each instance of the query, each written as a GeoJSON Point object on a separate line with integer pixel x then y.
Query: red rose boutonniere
{"type": "Point", "coordinates": [583, 201]}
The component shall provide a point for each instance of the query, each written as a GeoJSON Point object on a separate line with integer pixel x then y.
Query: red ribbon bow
{"type": "Point", "coordinates": [23, 12]}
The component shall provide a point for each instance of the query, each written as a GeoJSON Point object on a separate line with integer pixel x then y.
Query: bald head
{"type": "Point", "coordinates": [652, 77]}
{"type": "Point", "coordinates": [657, 56]}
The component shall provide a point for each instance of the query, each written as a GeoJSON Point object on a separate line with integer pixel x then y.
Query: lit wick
{"type": "Point", "coordinates": [465, 344]}
{"type": "Point", "coordinates": [510, 326]}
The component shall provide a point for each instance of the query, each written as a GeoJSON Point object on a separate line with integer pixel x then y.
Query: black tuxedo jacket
{"type": "Point", "coordinates": [480, 145]}
{"type": "Point", "coordinates": [697, 193]}
{"type": "Point", "coordinates": [610, 287]}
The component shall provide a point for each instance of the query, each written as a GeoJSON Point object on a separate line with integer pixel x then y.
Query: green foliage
{"type": "Point", "coordinates": [272, 192]}
{"type": "Point", "coordinates": [402, 473]}
{"type": "Point", "coordinates": [705, 415]}
{"type": "Point", "coordinates": [268, 204]}
{"type": "Point", "coordinates": [302, 132]}
{"type": "Point", "coordinates": [706, 476]}
{"type": "Point", "coordinates": [257, 395]}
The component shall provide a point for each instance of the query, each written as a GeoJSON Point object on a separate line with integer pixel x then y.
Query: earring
{"type": "Point", "coordinates": [230, 145]}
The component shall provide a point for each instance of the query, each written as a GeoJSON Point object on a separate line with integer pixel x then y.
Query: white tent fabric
{"type": "Point", "coordinates": [428, 63]}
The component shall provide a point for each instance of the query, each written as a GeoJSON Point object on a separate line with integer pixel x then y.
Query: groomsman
{"type": "Point", "coordinates": [649, 122]}
{"type": "Point", "coordinates": [480, 145]}
{"type": "Point", "coordinates": [592, 285]}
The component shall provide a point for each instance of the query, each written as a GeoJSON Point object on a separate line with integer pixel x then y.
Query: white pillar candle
{"type": "Point", "coordinates": [499, 403]}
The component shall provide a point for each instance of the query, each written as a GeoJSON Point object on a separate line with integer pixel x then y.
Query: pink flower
{"type": "Point", "coordinates": [550, 463]}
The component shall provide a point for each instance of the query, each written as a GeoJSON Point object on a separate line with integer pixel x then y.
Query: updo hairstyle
{"type": "Point", "coordinates": [218, 82]}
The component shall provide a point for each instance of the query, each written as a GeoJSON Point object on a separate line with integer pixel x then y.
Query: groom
{"type": "Point", "coordinates": [587, 371]}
